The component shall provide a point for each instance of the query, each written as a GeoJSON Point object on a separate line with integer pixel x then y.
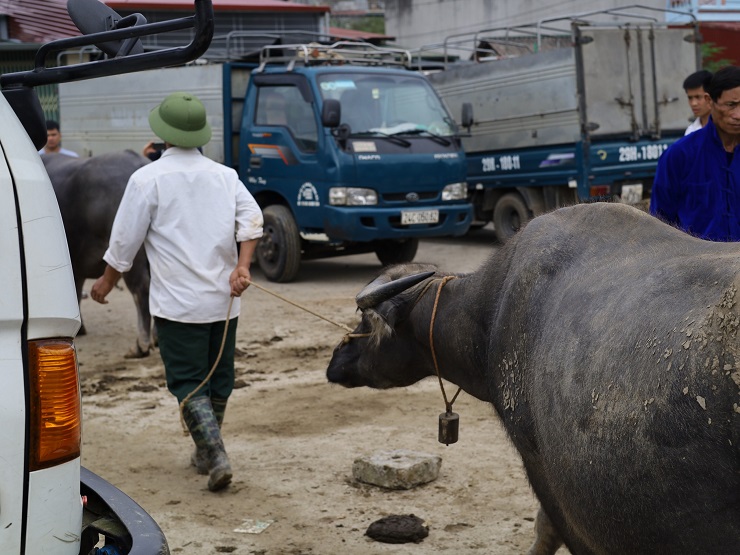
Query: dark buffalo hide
{"type": "Point", "coordinates": [607, 342]}
{"type": "Point", "coordinates": [89, 191]}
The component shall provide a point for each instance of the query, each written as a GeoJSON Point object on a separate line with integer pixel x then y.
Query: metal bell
{"type": "Point", "coordinates": [449, 426]}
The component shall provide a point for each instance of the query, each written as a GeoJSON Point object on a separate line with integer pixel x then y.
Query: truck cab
{"type": "Point", "coordinates": [348, 154]}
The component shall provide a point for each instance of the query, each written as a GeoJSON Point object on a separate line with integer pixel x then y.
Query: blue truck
{"type": "Point", "coordinates": [568, 110]}
{"type": "Point", "coordinates": [346, 150]}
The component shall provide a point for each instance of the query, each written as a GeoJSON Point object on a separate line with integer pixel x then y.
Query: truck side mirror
{"type": "Point", "coordinates": [467, 115]}
{"type": "Point", "coordinates": [331, 113]}
{"type": "Point", "coordinates": [92, 16]}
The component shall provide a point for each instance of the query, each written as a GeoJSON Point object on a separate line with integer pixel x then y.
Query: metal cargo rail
{"type": "Point", "coordinates": [510, 41]}
{"type": "Point", "coordinates": [339, 53]}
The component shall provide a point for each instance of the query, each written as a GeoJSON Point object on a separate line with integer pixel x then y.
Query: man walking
{"type": "Point", "coordinates": [189, 212]}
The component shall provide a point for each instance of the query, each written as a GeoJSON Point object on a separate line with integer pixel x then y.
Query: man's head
{"type": "Point", "coordinates": [695, 86]}
{"type": "Point", "coordinates": [53, 136]}
{"type": "Point", "coordinates": [180, 120]}
{"type": "Point", "coordinates": [724, 90]}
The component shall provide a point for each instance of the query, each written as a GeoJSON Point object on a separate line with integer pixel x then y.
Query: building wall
{"type": "Point", "coordinates": [416, 23]}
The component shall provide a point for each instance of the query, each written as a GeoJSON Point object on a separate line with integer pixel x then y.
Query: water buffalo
{"type": "Point", "coordinates": [89, 191]}
{"type": "Point", "coordinates": [607, 342]}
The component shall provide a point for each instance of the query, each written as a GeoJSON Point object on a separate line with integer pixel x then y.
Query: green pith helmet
{"type": "Point", "coordinates": [180, 120]}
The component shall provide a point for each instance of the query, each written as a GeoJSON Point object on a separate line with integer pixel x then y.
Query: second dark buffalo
{"type": "Point", "coordinates": [89, 191]}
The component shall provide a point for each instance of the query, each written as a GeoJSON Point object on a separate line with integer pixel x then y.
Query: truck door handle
{"type": "Point", "coordinates": [255, 162]}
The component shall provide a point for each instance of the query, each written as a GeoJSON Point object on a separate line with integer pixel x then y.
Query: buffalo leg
{"type": "Point", "coordinates": [137, 282]}
{"type": "Point", "coordinates": [547, 539]}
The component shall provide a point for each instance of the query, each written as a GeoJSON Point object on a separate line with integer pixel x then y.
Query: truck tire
{"type": "Point", "coordinates": [279, 250]}
{"type": "Point", "coordinates": [396, 251]}
{"type": "Point", "coordinates": [509, 216]}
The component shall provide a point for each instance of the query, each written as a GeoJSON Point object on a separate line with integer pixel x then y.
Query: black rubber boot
{"type": "Point", "coordinates": [219, 409]}
{"type": "Point", "coordinates": [204, 429]}
{"type": "Point", "coordinates": [199, 458]}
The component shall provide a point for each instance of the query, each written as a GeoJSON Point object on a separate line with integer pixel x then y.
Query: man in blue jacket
{"type": "Point", "coordinates": [697, 183]}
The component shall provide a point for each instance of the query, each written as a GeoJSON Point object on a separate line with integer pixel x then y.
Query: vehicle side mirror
{"type": "Point", "coordinates": [92, 16]}
{"type": "Point", "coordinates": [331, 113]}
{"type": "Point", "coordinates": [467, 115]}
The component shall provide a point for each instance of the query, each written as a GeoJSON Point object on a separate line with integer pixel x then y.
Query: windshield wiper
{"type": "Point", "coordinates": [418, 131]}
{"type": "Point", "coordinates": [392, 138]}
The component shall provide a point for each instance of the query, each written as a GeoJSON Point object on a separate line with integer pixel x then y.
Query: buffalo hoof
{"type": "Point", "coordinates": [137, 352]}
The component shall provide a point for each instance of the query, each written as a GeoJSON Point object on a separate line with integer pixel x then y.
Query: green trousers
{"type": "Point", "coordinates": [189, 351]}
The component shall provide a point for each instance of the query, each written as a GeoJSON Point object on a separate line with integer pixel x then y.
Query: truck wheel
{"type": "Point", "coordinates": [509, 215]}
{"type": "Point", "coordinates": [396, 251]}
{"type": "Point", "coordinates": [279, 249]}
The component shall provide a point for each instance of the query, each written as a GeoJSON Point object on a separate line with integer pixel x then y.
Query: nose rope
{"type": "Point", "coordinates": [349, 335]}
{"type": "Point", "coordinates": [448, 404]}
{"type": "Point", "coordinates": [343, 326]}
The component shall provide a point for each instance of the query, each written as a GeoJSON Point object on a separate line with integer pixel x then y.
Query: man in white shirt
{"type": "Point", "coordinates": [54, 141]}
{"type": "Point", "coordinates": [189, 212]}
{"type": "Point", "coordinates": [696, 86]}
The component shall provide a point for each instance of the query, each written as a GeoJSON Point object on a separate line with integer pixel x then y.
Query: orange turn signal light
{"type": "Point", "coordinates": [56, 411]}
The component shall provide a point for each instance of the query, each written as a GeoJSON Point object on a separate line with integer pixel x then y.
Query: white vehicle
{"type": "Point", "coordinates": [48, 502]}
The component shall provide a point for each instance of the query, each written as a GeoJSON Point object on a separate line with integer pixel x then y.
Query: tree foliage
{"type": "Point", "coordinates": [711, 59]}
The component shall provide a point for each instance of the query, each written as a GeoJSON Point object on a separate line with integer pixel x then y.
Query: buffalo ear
{"type": "Point", "coordinates": [381, 289]}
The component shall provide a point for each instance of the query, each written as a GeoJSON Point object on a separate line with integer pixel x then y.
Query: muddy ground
{"type": "Point", "coordinates": [292, 437]}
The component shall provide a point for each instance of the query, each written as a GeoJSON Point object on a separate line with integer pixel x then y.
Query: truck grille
{"type": "Point", "coordinates": [401, 197]}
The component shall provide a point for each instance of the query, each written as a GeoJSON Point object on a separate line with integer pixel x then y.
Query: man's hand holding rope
{"type": "Point", "coordinates": [240, 278]}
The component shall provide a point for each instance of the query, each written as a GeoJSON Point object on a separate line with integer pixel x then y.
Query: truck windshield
{"type": "Point", "coordinates": [387, 104]}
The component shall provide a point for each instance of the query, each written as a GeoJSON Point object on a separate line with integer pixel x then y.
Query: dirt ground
{"type": "Point", "coordinates": [292, 437]}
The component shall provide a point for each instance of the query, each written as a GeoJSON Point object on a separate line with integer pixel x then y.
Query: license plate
{"type": "Point", "coordinates": [632, 194]}
{"type": "Point", "coordinates": [419, 217]}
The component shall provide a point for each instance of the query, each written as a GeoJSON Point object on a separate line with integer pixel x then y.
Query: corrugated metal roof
{"type": "Point", "coordinates": [218, 5]}
{"type": "Point", "coordinates": [38, 20]}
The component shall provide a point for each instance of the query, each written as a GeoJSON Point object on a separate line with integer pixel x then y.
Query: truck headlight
{"type": "Point", "coordinates": [352, 196]}
{"type": "Point", "coordinates": [455, 191]}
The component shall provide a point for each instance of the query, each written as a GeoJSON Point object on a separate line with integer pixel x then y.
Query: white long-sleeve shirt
{"type": "Point", "coordinates": [189, 212]}
{"type": "Point", "coordinates": [695, 126]}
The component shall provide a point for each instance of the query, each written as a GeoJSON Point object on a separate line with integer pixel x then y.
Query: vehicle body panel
{"type": "Point", "coordinates": [38, 302]}
{"type": "Point", "coordinates": [599, 163]}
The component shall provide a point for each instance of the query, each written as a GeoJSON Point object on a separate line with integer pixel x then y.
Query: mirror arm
{"type": "Point", "coordinates": [132, 20]}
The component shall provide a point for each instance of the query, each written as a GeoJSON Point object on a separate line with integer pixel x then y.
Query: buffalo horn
{"type": "Point", "coordinates": [381, 290]}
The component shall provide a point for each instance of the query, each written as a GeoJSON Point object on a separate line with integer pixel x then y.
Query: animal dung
{"type": "Point", "coordinates": [397, 469]}
{"type": "Point", "coordinates": [398, 529]}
